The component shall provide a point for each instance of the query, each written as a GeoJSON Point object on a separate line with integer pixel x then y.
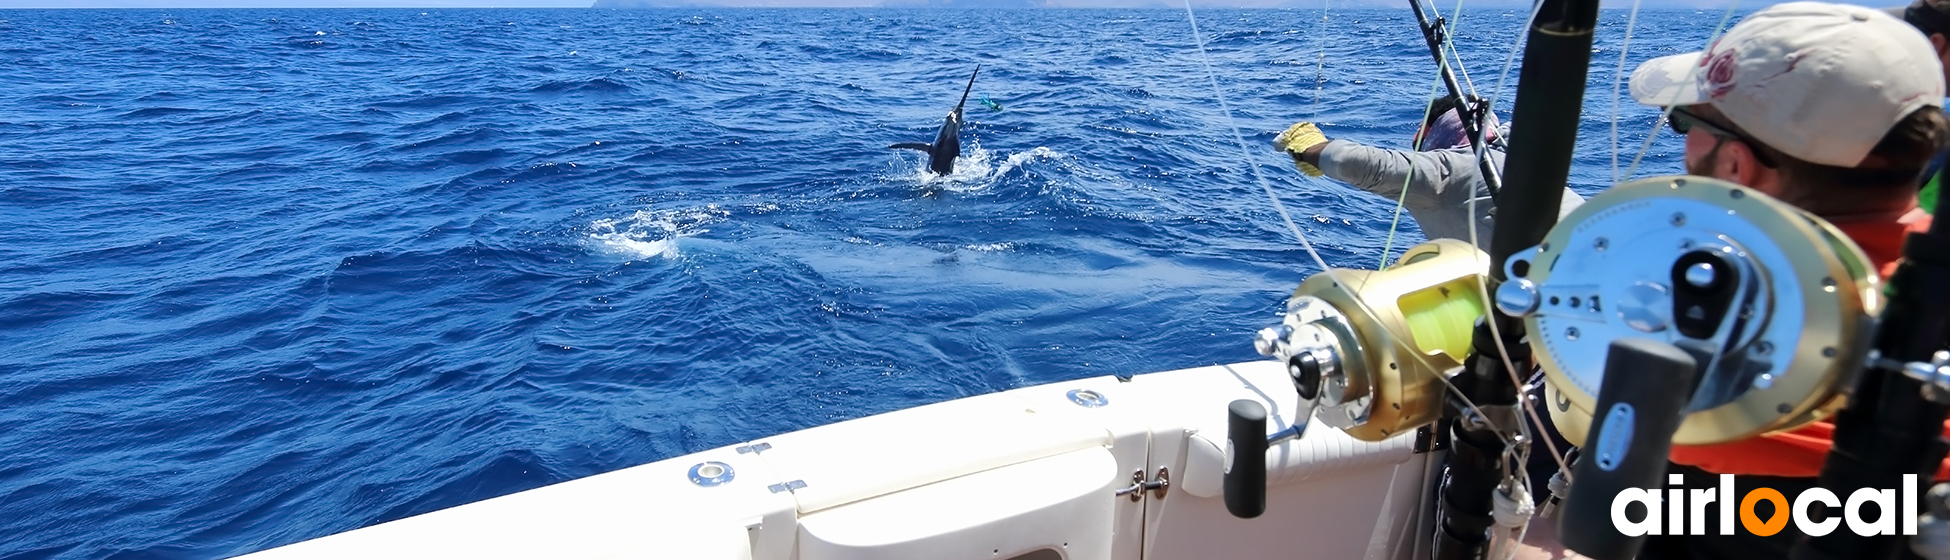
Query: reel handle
{"type": "Point", "coordinates": [1647, 385]}
{"type": "Point", "coordinates": [1245, 474]}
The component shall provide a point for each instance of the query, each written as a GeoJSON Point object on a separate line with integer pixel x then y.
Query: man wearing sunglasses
{"type": "Point", "coordinates": [1835, 109]}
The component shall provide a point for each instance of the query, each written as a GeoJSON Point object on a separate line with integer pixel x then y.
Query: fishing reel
{"type": "Point", "coordinates": [1684, 310]}
{"type": "Point", "coordinates": [1367, 352]}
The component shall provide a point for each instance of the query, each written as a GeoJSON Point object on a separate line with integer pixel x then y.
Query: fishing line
{"type": "Point", "coordinates": [1320, 59]}
{"type": "Point", "coordinates": [1401, 199]}
{"type": "Point", "coordinates": [1247, 155]}
{"type": "Point", "coordinates": [1617, 81]}
{"type": "Point", "coordinates": [1449, 48]}
{"type": "Point", "coordinates": [1240, 139]}
{"type": "Point", "coordinates": [1456, 20]}
{"type": "Point", "coordinates": [1482, 283]}
{"type": "Point", "coordinates": [1511, 60]}
{"type": "Point", "coordinates": [1666, 113]}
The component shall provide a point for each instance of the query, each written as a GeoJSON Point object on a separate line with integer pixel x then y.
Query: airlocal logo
{"type": "Point", "coordinates": [1681, 501]}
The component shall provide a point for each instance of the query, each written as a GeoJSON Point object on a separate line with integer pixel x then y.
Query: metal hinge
{"type": "Point", "coordinates": [1139, 485]}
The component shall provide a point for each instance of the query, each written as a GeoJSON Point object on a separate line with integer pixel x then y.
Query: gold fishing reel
{"type": "Point", "coordinates": [1775, 305]}
{"type": "Point", "coordinates": [1367, 347]}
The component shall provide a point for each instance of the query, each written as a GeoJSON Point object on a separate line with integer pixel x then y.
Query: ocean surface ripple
{"type": "Point", "coordinates": [268, 275]}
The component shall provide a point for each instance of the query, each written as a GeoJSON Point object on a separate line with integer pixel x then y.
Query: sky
{"type": "Point", "coordinates": [801, 3]}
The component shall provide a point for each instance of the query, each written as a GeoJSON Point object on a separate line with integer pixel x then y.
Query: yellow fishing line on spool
{"type": "Point", "coordinates": [1443, 317]}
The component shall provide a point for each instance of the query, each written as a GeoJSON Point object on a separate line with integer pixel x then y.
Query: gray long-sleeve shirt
{"type": "Point", "coordinates": [1443, 182]}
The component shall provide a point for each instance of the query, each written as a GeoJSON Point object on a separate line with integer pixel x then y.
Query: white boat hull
{"type": "Point", "coordinates": [1024, 474]}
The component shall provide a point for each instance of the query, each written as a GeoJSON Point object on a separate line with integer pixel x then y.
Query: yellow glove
{"type": "Point", "coordinates": [1297, 139]}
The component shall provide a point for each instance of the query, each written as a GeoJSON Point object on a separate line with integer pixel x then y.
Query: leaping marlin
{"type": "Point", "coordinates": [947, 143]}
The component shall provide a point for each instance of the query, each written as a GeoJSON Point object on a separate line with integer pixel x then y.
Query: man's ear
{"type": "Point", "coordinates": [1938, 41]}
{"type": "Point", "coordinates": [1738, 164]}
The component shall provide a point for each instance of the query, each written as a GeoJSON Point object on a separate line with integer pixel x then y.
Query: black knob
{"type": "Point", "coordinates": [1305, 371]}
{"type": "Point", "coordinates": [1245, 474]}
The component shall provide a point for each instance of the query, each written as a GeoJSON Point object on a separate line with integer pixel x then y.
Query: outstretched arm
{"type": "Point", "coordinates": [1431, 178]}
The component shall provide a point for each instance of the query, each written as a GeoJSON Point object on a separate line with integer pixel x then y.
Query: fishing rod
{"type": "Point", "coordinates": [1471, 109]}
{"type": "Point", "coordinates": [1550, 96]}
{"type": "Point", "coordinates": [1893, 423]}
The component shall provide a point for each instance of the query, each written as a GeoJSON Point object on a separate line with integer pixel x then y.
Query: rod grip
{"type": "Point", "coordinates": [1646, 388]}
{"type": "Point", "coordinates": [1245, 474]}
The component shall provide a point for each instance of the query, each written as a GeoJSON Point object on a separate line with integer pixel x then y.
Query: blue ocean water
{"type": "Point", "coordinates": [268, 275]}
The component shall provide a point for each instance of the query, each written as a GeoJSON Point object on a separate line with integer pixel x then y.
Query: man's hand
{"type": "Point", "coordinates": [1296, 140]}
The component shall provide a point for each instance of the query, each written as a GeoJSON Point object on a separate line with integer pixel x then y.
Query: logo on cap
{"type": "Point", "coordinates": [1719, 74]}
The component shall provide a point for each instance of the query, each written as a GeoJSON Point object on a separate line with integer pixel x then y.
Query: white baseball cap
{"type": "Point", "coordinates": [1820, 82]}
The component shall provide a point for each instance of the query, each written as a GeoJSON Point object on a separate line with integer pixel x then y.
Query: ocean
{"type": "Point", "coordinates": [269, 275]}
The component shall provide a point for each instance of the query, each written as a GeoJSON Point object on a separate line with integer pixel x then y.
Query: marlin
{"type": "Point", "coordinates": [947, 143]}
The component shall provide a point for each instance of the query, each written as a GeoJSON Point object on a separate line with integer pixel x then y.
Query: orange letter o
{"type": "Point", "coordinates": [1753, 523]}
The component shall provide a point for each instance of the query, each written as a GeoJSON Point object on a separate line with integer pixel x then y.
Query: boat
{"type": "Point", "coordinates": [1098, 468]}
{"type": "Point", "coordinates": [1385, 426]}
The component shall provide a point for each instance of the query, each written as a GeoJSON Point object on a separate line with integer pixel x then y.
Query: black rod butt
{"type": "Point", "coordinates": [1640, 404]}
{"type": "Point", "coordinates": [1245, 474]}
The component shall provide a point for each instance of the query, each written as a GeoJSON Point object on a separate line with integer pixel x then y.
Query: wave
{"type": "Point", "coordinates": [154, 112]}
{"type": "Point", "coordinates": [595, 85]}
{"type": "Point", "coordinates": [311, 286]}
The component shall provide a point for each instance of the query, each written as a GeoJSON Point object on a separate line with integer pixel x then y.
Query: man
{"type": "Point", "coordinates": [1441, 175]}
{"type": "Point", "coordinates": [1835, 109]}
{"type": "Point", "coordinates": [1932, 17]}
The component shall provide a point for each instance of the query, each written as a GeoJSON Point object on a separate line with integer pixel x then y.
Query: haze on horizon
{"type": "Point", "coordinates": [1302, 4]}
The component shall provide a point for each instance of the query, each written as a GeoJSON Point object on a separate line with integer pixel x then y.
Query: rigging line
{"type": "Point", "coordinates": [1511, 60]}
{"type": "Point", "coordinates": [1666, 112]}
{"type": "Point", "coordinates": [1408, 180]}
{"type": "Point", "coordinates": [1617, 82]}
{"type": "Point", "coordinates": [1443, 62]}
{"type": "Point", "coordinates": [1450, 44]}
{"type": "Point", "coordinates": [1320, 60]}
{"type": "Point", "coordinates": [1523, 398]}
{"type": "Point", "coordinates": [1482, 283]}
{"type": "Point", "coordinates": [1458, 392]}
{"type": "Point", "coordinates": [1247, 156]}
{"type": "Point", "coordinates": [1205, 59]}
{"type": "Point", "coordinates": [1444, 49]}
{"type": "Point", "coordinates": [1520, 475]}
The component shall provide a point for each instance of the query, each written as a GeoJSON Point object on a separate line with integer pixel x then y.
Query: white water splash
{"type": "Point", "coordinates": [652, 233]}
{"type": "Point", "coordinates": [977, 170]}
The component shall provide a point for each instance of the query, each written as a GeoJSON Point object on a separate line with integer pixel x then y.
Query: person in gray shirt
{"type": "Point", "coordinates": [1441, 176]}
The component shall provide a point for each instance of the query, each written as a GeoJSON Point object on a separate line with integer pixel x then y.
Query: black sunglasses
{"type": "Point", "coordinates": [1683, 121]}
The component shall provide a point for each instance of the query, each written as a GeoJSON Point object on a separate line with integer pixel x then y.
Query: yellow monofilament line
{"type": "Point", "coordinates": [1401, 200]}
